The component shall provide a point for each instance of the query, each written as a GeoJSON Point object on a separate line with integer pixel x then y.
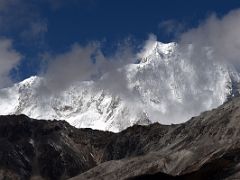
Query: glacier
{"type": "Point", "coordinates": [166, 86]}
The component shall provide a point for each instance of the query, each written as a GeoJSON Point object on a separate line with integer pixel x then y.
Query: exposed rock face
{"type": "Point", "coordinates": [206, 147]}
{"type": "Point", "coordinates": [46, 149]}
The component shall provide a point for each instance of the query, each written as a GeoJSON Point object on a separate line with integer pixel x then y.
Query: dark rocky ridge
{"type": "Point", "coordinates": [206, 147]}
{"type": "Point", "coordinates": [47, 149]}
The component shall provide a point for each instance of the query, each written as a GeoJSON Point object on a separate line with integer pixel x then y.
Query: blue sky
{"type": "Point", "coordinates": [38, 28]}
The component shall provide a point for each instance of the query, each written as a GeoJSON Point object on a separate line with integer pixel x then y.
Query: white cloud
{"type": "Point", "coordinates": [82, 63]}
{"type": "Point", "coordinates": [221, 35]}
{"type": "Point", "coordinates": [71, 66]}
{"type": "Point", "coordinates": [215, 40]}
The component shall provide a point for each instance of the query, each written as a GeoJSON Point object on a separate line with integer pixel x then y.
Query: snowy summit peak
{"type": "Point", "coordinates": [30, 81]}
{"type": "Point", "coordinates": [157, 49]}
{"type": "Point", "coordinates": [166, 88]}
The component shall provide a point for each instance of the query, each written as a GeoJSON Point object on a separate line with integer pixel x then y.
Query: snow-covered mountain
{"type": "Point", "coordinates": [166, 85]}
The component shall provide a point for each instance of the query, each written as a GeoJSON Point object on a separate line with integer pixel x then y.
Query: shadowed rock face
{"type": "Point", "coordinates": [206, 147]}
{"type": "Point", "coordinates": [224, 167]}
{"type": "Point", "coordinates": [47, 149]}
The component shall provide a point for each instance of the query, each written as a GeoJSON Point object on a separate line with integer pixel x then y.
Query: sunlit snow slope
{"type": "Point", "coordinates": [166, 86]}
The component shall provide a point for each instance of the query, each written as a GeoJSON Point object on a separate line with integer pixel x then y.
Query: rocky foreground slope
{"type": "Point", "coordinates": [206, 147]}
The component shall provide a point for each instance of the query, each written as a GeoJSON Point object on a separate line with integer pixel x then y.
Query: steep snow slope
{"type": "Point", "coordinates": [166, 86]}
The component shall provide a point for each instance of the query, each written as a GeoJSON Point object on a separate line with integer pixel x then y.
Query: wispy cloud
{"type": "Point", "coordinates": [35, 31]}
{"type": "Point", "coordinates": [9, 59]}
{"type": "Point", "coordinates": [172, 27]}
{"type": "Point", "coordinates": [22, 19]}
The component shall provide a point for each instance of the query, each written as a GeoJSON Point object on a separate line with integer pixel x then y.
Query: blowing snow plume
{"type": "Point", "coordinates": [171, 83]}
{"type": "Point", "coordinates": [178, 81]}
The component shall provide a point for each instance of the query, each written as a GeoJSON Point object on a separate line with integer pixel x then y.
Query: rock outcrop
{"type": "Point", "coordinates": [205, 147]}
